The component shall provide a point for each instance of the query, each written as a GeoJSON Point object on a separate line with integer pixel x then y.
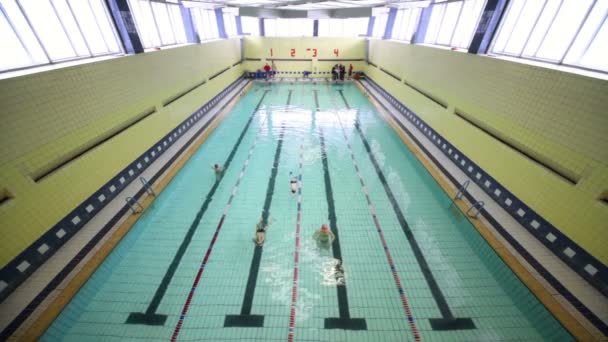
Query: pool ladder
{"type": "Point", "coordinates": [134, 204]}
{"type": "Point", "coordinates": [475, 208]}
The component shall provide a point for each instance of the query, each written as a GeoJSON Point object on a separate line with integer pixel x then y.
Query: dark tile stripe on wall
{"type": "Point", "coordinates": [481, 127]}
{"type": "Point", "coordinates": [111, 133]}
{"type": "Point", "coordinates": [182, 94]}
{"type": "Point", "coordinates": [218, 73]}
{"type": "Point", "coordinates": [290, 59]}
{"type": "Point", "coordinates": [340, 60]}
{"type": "Point", "coordinates": [571, 253]}
{"type": "Point", "coordinates": [5, 197]}
{"type": "Point", "coordinates": [428, 96]}
{"type": "Point", "coordinates": [21, 267]}
{"type": "Point", "coordinates": [391, 74]}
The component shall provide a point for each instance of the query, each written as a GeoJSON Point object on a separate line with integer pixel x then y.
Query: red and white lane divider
{"type": "Point", "coordinates": [294, 289]}
{"type": "Point", "coordinates": [184, 312]}
{"type": "Point", "coordinates": [387, 252]}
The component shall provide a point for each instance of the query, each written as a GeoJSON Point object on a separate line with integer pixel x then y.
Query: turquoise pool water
{"type": "Point", "coordinates": [405, 265]}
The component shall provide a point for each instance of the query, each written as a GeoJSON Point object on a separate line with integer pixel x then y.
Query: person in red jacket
{"type": "Point", "coordinates": [267, 69]}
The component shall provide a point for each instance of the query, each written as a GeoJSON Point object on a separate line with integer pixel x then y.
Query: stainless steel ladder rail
{"type": "Point", "coordinates": [147, 186]}
{"type": "Point", "coordinates": [134, 204]}
{"type": "Point", "coordinates": [476, 206]}
{"type": "Point", "coordinates": [461, 190]}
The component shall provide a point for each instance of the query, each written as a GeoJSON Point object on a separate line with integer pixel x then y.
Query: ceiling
{"type": "Point", "coordinates": [304, 5]}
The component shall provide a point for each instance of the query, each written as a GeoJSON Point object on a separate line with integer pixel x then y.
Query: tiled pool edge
{"type": "Point", "coordinates": [456, 157]}
{"type": "Point", "coordinates": [146, 159]}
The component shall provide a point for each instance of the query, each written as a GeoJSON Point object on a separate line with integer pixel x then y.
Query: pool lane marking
{"type": "Point", "coordinates": [448, 321]}
{"type": "Point", "coordinates": [296, 259]}
{"type": "Point", "coordinates": [344, 321]}
{"type": "Point", "coordinates": [387, 252]}
{"type": "Point", "coordinates": [246, 319]}
{"type": "Point", "coordinates": [150, 317]}
{"type": "Point", "coordinates": [197, 279]}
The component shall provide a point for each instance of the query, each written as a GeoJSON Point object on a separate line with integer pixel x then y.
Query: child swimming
{"type": "Point", "coordinates": [260, 232]}
{"type": "Point", "coordinates": [324, 235]}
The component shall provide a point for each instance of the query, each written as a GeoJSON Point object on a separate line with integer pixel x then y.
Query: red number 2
{"type": "Point", "coordinates": [293, 52]}
{"type": "Point", "coordinates": [337, 52]}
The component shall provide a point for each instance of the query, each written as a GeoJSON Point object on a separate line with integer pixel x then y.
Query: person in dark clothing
{"type": "Point", "coordinates": [342, 72]}
{"type": "Point", "coordinates": [350, 71]}
{"type": "Point", "coordinates": [334, 72]}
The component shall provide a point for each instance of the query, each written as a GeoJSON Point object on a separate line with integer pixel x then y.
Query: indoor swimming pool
{"type": "Point", "coordinates": [405, 265]}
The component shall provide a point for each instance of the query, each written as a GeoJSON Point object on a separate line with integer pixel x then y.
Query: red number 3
{"type": "Point", "coordinates": [293, 52]}
{"type": "Point", "coordinates": [314, 52]}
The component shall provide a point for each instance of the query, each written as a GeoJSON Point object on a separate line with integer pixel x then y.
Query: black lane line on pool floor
{"type": "Point", "coordinates": [245, 318]}
{"type": "Point", "coordinates": [344, 321]}
{"type": "Point", "coordinates": [448, 321]}
{"type": "Point", "coordinates": [150, 317]}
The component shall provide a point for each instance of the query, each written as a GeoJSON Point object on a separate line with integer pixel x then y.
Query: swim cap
{"type": "Point", "coordinates": [324, 227]}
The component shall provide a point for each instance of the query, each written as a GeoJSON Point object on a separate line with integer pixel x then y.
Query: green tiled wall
{"type": "Point", "coordinates": [346, 48]}
{"type": "Point", "coordinates": [51, 115]}
{"type": "Point", "coordinates": [557, 118]}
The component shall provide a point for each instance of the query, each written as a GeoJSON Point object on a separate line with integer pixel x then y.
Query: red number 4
{"type": "Point", "coordinates": [337, 52]}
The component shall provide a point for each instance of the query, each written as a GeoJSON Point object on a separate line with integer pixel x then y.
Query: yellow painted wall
{"type": "Point", "coordinates": [348, 48]}
{"type": "Point", "coordinates": [47, 116]}
{"type": "Point", "coordinates": [559, 118]}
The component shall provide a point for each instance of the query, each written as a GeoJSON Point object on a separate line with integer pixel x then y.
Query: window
{"type": "Point", "coordinates": [351, 27]}
{"type": "Point", "coordinates": [406, 22]}
{"type": "Point", "coordinates": [230, 24]}
{"type": "Point", "coordinates": [454, 23]}
{"type": "Point", "coordinates": [205, 23]}
{"type": "Point", "coordinates": [158, 23]}
{"type": "Point", "coordinates": [280, 27]}
{"type": "Point", "coordinates": [251, 26]}
{"type": "Point", "coordinates": [381, 15]}
{"type": "Point", "coordinates": [571, 32]}
{"type": "Point", "coordinates": [36, 32]}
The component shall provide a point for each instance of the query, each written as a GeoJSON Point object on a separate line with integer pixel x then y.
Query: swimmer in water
{"type": "Point", "coordinates": [260, 232]}
{"type": "Point", "coordinates": [218, 169]}
{"type": "Point", "coordinates": [339, 273]}
{"type": "Point", "coordinates": [324, 235]}
{"type": "Point", "coordinates": [293, 183]}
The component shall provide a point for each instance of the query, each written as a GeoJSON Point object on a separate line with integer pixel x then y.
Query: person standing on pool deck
{"type": "Point", "coordinates": [267, 69]}
{"type": "Point", "coordinates": [324, 235]}
{"type": "Point", "coordinates": [350, 71]}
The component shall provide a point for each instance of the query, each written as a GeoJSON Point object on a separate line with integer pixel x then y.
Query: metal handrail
{"type": "Point", "coordinates": [133, 204]}
{"type": "Point", "coordinates": [477, 205]}
{"type": "Point", "coordinates": [461, 190]}
{"type": "Point", "coordinates": [147, 186]}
